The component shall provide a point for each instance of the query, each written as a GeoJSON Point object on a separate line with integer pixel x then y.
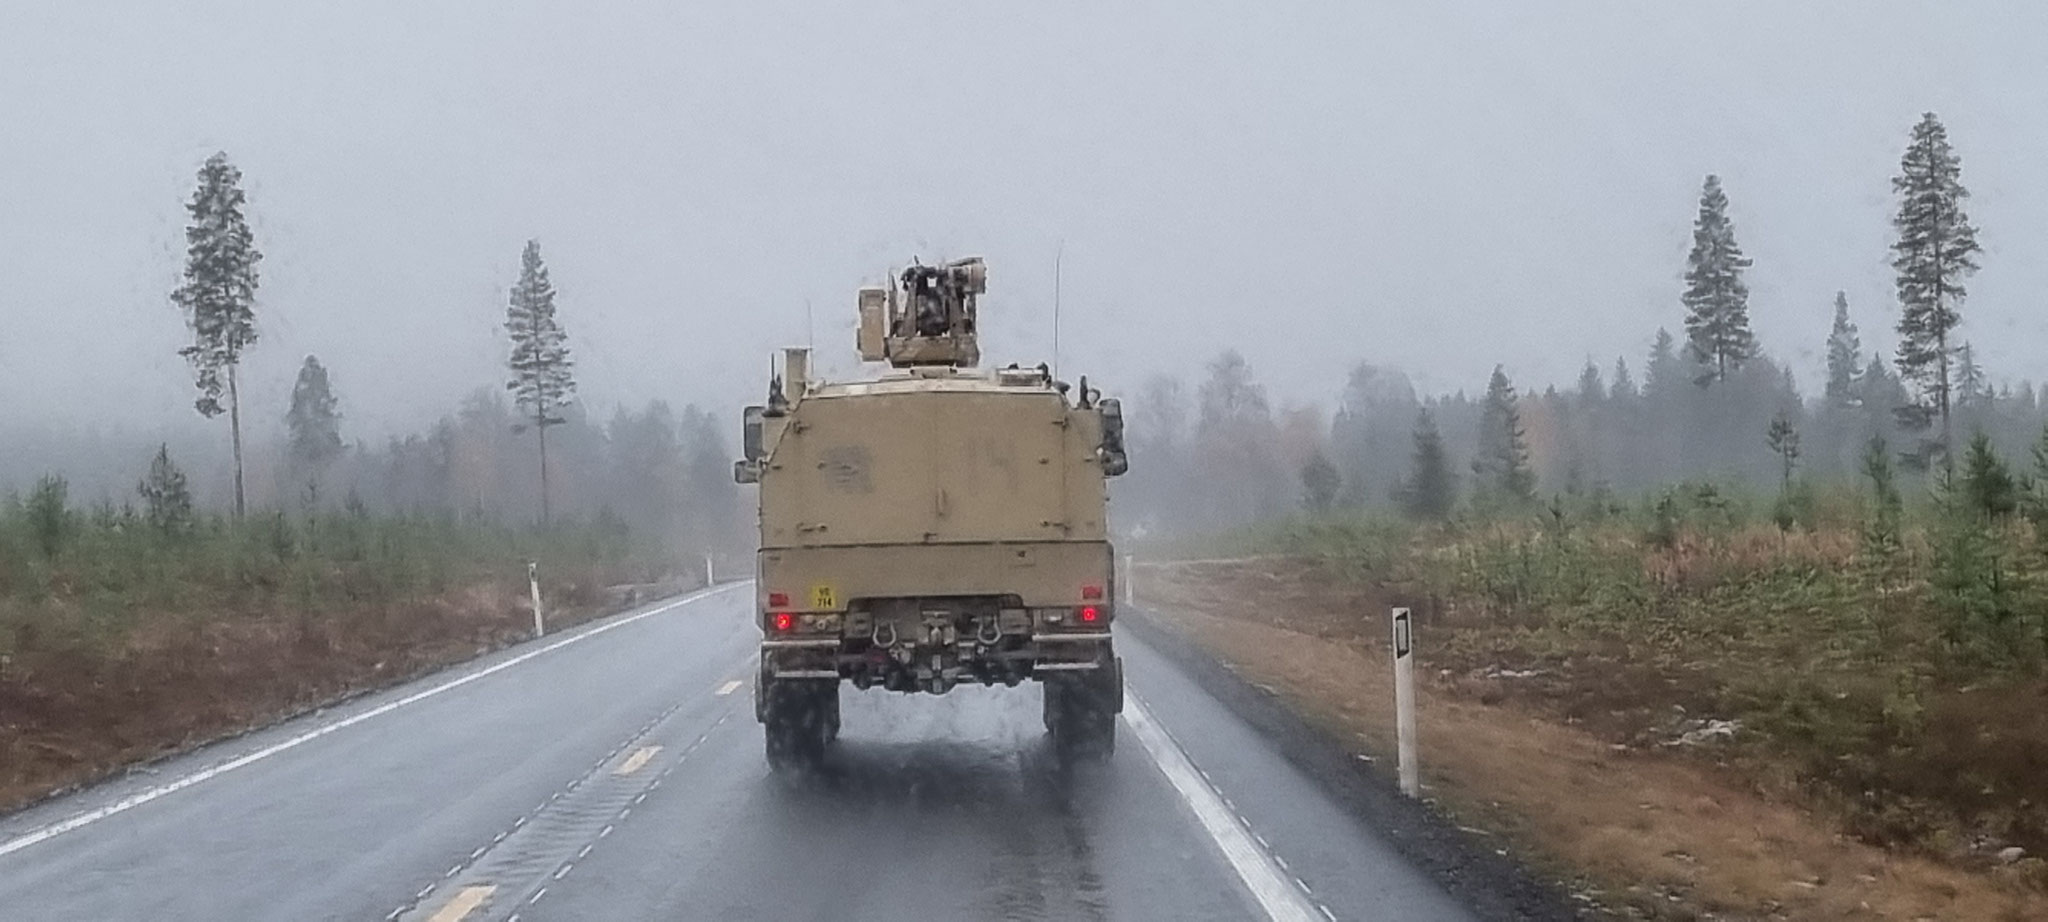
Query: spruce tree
{"type": "Point", "coordinates": [1590, 388]}
{"type": "Point", "coordinates": [541, 384]}
{"type": "Point", "coordinates": [166, 501]}
{"type": "Point", "coordinates": [1662, 374]}
{"type": "Point", "coordinates": [314, 420]}
{"type": "Point", "coordinates": [1716, 299]}
{"type": "Point", "coordinates": [1845, 356]}
{"type": "Point", "coordinates": [1624, 386]}
{"type": "Point", "coordinates": [1988, 487]}
{"type": "Point", "coordinates": [1936, 248]}
{"type": "Point", "coordinates": [1431, 489]}
{"type": "Point", "coordinates": [218, 296]}
{"type": "Point", "coordinates": [1972, 387]}
{"type": "Point", "coordinates": [1501, 464]}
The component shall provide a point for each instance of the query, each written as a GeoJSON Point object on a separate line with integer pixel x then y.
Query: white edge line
{"type": "Point", "coordinates": [1272, 889]}
{"type": "Point", "coordinates": [130, 802]}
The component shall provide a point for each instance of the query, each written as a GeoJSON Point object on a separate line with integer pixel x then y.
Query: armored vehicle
{"type": "Point", "coordinates": [935, 525]}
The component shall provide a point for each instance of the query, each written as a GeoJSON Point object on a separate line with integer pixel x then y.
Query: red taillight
{"type": "Point", "coordinates": [784, 621]}
{"type": "Point", "coordinates": [1092, 593]}
{"type": "Point", "coordinates": [1089, 614]}
{"type": "Point", "coordinates": [778, 599]}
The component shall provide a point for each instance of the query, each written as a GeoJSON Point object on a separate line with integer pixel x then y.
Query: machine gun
{"type": "Point", "coordinates": [926, 317]}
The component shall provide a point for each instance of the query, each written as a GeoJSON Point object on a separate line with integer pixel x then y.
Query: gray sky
{"type": "Point", "coordinates": [1439, 186]}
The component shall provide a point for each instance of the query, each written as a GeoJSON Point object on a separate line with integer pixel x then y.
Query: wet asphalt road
{"type": "Point", "coordinates": [615, 772]}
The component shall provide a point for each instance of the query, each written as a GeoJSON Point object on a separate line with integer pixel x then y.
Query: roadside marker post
{"type": "Point", "coordinates": [1404, 702]}
{"type": "Point", "coordinates": [708, 581]}
{"type": "Point", "coordinates": [533, 583]}
{"type": "Point", "coordinates": [1130, 584]}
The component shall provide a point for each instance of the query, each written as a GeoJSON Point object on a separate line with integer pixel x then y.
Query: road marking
{"type": "Point", "coordinates": [728, 688]}
{"type": "Point", "coordinates": [636, 761]}
{"type": "Point", "coordinates": [465, 902]}
{"type": "Point", "coordinates": [125, 804]}
{"type": "Point", "coordinates": [1275, 893]}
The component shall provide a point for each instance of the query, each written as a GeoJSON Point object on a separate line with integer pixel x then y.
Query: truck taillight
{"type": "Point", "coordinates": [784, 621]}
{"type": "Point", "coordinates": [778, 600]}
{"type": "Point", "coordinates": [1090, 614]}
{"type": "Point", "coordinates": [1091, 593]}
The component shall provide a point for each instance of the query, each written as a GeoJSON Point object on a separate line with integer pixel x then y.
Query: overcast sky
{"type": "Point", "coordinates": [1439, 186]}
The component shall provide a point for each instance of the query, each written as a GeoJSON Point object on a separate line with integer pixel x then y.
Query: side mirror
{"type": "Point", "coordinates": [745, 472]}
{"type": "Point", "coordinates": [751, 445]}
{"type": "Point", "coordinates": [1114, 460]}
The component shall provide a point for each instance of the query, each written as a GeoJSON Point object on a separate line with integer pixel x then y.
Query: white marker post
{"type": "Point", "coordinates": [533, 582]}
{"type": "Point", "coordinates": [1404, 702]}
{"type": "Point", "coordinates": [708, 581]}
{"type": "Point", "coordinates": [1130, 585]}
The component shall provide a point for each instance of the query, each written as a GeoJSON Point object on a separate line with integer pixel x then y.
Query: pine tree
{"type": "Point", "coordinates": [1936, 248]}
{"type": "Point", "coordinates": [1624, 386]}
{"type": "Point", "coordinates": [167, 503]}
{"type": "Point", "coordinates": [1783, 439]}
{"type": "Point", "coordinates": [541, 384]}
{"type": "Point", "coordinates": [1716, 299]}
{"type": "Point", "coordinates": [1319, 483]}
{"type": "Point", "coordinates": [1431, 489]}
{"type": "Point", "coordinates": [219, 296]}
{"type": "Point", "coordinates": [1845, 356]}
{"type": "Point", "coordinates": [1502, 462]}
{"type": "Point", "coordinates": [314, 421]}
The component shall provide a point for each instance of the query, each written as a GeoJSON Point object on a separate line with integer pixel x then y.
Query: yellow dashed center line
{"type": "Point", "coordinates": [636, 760]}
{"type": "Point", "coordinates": [465, 902]}
{"type": "Point", "coordinates": [728, 688]}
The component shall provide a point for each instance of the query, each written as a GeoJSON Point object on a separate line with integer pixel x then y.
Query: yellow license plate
{"type": "Point", "coordinates": [824, 596]}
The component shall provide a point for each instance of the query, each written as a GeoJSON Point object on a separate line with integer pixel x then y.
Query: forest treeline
{"type": "Point", "coordinates": [1704, 401]}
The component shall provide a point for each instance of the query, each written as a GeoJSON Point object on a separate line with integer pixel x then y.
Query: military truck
{"type": "Point", "coordinates": [935, 525]}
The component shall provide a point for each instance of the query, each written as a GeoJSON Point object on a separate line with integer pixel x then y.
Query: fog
{"type": "Point", "coordinates": [1438, 187]}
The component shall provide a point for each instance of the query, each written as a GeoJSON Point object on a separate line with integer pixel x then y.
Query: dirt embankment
{"type": "Point", "coordinates": [1600, 777]}
{"type": "Point", "coordinates": [74, 714]}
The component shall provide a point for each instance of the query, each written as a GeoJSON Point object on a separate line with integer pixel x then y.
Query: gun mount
{"type": "Point", "coordinates": [926, 317]}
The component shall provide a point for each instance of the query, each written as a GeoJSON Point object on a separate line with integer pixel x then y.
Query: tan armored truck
{"type": "Point", "coordinates": [932, 526]}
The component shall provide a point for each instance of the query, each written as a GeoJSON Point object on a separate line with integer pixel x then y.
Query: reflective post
{"type": "Point", "coordinates": [708, 581]}
{"type": "Point", "coordinates": [533, 583]}
{"type": "Point", "coordinates": [1404, 702]}
{"type": "Point", "coordinates": [1130, 585]}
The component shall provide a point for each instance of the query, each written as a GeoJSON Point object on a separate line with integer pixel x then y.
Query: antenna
{"type": "Point", "coordinates": [810, 327]}
{"type": "Point", "coordinates": [1059, 251]}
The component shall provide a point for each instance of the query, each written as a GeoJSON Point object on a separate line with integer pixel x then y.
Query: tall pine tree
{"type": "Point", "coordinates": [1845, 356]}
{"type": "Point", "coordinates": [1936, 248]}
{"type": "Point", "coordinates": [542, 383]}
{"type": "Point", "coordinates": [1716, 299]}
{"type": "Point", "coordinates": [1431, 489]}
{"type": "Point", "coordinates": [218, 296]}
{"type": "Point", "coordinates": [314, 422]}
{"type": "Point", "coordinates": [1501, 464]}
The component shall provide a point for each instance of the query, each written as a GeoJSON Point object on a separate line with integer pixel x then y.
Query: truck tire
{"type": "Point", "coordinates": [799, 719]}
{"type": "Point", "coordinates": [1081, 709]}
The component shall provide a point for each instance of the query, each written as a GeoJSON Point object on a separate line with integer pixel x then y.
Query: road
{"type": "Point", "coordinates": [615, 772]}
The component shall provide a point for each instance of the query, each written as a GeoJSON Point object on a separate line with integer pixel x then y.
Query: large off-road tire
{"type": "Point", "coordinates": [1081, 709]}
{"type": "Point", "coordinates": [799, 718]}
